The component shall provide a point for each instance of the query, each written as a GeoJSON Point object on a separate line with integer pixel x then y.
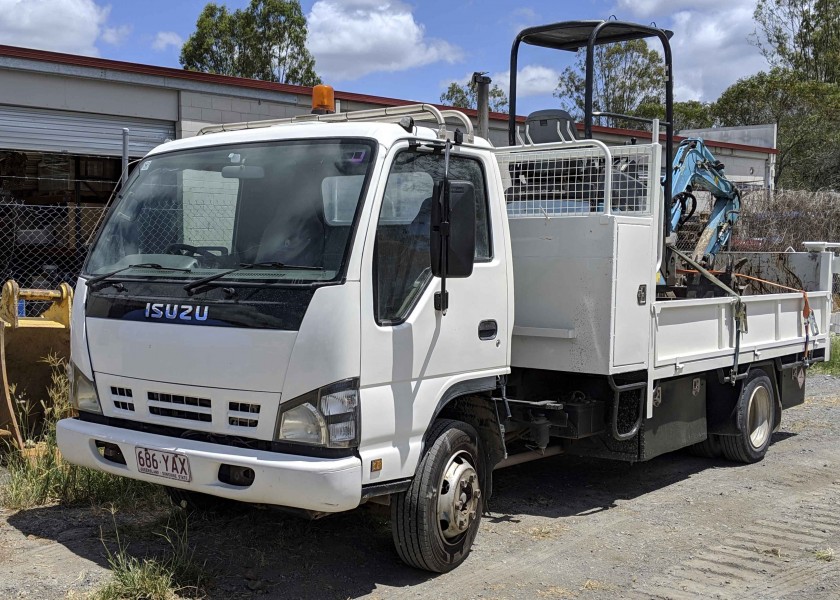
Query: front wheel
{"type": "Point", "coordinates": [435, 521]}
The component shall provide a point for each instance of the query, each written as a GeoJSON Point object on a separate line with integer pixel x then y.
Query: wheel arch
{"type": "Point", "coordinates": [722, 397]}
{"type": "Point", "coordinates": [471, 402]}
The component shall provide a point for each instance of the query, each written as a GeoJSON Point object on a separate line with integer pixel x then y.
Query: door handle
{"type": "Point", "coordinates": [487, 330]}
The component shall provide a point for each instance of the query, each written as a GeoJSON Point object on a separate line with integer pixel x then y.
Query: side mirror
{"type": "Point", "coordinates": [452, 244]}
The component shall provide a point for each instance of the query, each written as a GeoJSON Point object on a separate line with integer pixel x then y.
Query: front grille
{"type": "Point", "coordinates": [176, 406]}
{"type": "Point", "coordinates": [180, 414]}
{"type": "Point", "coordinates": [176, 399]}
{"type": "Point", "coordinates": [243, 414]}
{"type": "Point", "coordinates": [122, 398]}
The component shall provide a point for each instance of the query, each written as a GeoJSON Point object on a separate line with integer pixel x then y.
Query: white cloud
{"type": "Point", "coordinates": [72, 26]}
{"type": "Point", "coordinates": [351, 38]}
{"type": "Point", "coordinates": [710, 46]}
{"type": "Point", "coordinates": [62, 25]}
{"type": "Point", "coordinates": [165, 39]}
{"type": "Point", "coordinates": [644, 9]}
{"type": "Point", "coordinates": [116, 35]}
{"type": "Point", "coordinates": [520, 18]}
{"type": "Point", "coordinates": [531, 80]}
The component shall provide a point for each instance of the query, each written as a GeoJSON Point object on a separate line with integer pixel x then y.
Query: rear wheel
{"type": "Point", "coordinates": [708, 448]}
{"type": "Point", "coordinates": [755, 416]}
{"type": "Point", "coordinates": [435, 521]}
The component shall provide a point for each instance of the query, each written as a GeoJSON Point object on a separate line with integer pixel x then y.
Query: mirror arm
{"type": "Point", "coordinates": [442, 297]}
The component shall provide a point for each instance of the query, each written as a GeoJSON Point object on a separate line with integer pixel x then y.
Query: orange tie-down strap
{"type": "Point", "coordinates": [806, 310]}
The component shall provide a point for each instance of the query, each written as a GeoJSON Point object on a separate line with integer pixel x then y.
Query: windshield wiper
{"type": "Point", "coordinates": [94, 280]}
{"type": "Point", "coordinates": [242, 267]}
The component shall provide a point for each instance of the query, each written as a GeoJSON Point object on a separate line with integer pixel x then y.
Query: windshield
{"type": "Point", "coordinates": [206, 211]}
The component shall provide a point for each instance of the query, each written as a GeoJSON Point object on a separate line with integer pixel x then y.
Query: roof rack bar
{"type": "Point", "coordinates": [465, 121]}
{"type": "Point", "coordinates": [419, 111]}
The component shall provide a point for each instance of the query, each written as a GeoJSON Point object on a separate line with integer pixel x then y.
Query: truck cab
{"type": "Point", "coordinates": [257, 321]}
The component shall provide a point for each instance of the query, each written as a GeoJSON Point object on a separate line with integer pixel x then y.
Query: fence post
{"type": "Point", "coordinates": [124, 176]}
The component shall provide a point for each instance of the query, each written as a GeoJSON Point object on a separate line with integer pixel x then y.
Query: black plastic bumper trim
{"type": "Point", "coordinates": [220, 439]}
{"type": "Point", "coordinates": [383, 489]}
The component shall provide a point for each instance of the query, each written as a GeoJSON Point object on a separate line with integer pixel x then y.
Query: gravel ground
{"type": "Point", "coordinates": [565, 527]}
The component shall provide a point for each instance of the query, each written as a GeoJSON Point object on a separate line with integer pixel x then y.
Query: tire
{"type": "Point", "coordinates": [195, 501]}
{"type": "Point", "coordinates": [755, 417]}
{"type": "Point", "coordinates": [424, 534]}
{"type": "Point", "coordinates": [708, 448]}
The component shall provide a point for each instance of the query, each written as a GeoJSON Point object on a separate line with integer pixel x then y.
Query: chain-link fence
{"type": "Point", "coordinates": [773, 222]}
{"type": "Point", "coordinates": [43, 246]}
{"type": "Point", "coordinates": [50, 204]}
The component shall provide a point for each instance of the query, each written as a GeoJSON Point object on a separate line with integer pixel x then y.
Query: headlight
{"type": "Point", "coordinates": [328, 416]}
{"type": "Point", "coordinates": [83, 394]}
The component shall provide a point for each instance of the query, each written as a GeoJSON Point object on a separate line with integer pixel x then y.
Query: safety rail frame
{"type": "Point", "coordinates": [608, 154]}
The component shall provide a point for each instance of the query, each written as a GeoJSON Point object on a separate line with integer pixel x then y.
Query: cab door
{"type": "Point", "coordinates": [413, 357]}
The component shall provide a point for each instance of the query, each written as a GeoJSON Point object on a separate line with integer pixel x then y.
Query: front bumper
{"type": "Point", "coordinates": [310, 483]}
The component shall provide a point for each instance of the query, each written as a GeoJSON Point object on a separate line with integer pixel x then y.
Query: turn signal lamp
{"type": "Point", "coordinates": [323, 100]}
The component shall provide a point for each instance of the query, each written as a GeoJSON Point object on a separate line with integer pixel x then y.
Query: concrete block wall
{"type": "Point", "coordinates": [197, 110]}
{"type": "Point", "coordinates": [209, 203]}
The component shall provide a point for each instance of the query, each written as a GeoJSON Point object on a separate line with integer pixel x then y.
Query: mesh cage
{"type": "Point", "coordinates": [573, 181]}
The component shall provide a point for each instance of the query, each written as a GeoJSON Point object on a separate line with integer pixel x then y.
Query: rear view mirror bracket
{"type": "Point", "coordinates": [452, 234]}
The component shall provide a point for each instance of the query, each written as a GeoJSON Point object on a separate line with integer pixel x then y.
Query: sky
{"type": "Point", "coordinates": [408, 49]}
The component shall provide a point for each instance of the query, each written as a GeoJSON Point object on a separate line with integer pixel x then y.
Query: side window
{"type": "Point", "coordinates": [401, 263]}
{"type": "Point", "coordinates": [467, 169]}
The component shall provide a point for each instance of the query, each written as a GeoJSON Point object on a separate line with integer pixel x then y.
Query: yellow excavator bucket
{"type": "Point", "coordinates": [25, 343]}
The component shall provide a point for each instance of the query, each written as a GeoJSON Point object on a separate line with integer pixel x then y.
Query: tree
{"type": "Point", "coordinates": [266, 40]}
{"type": "Point", "coordinates": [691, 114]}
{"type": "Point", "coordinates": [802, 36]}
{"type": "Point", "coordinates": [627, 75]}
{"type": "Point", "coordinates": [807, 116]}
{"type": "Point", "coordinates": [466, 96]}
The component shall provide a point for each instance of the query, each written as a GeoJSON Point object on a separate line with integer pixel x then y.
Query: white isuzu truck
{"type": "Point", "coordinates": [341, 308]}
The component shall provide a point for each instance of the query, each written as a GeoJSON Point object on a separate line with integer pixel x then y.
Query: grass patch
{"type": "Point", "coordinates": [176, 574]}
{"type": "Point", "coordinates": [545, 532]}
{"type": "Point", "coordinates": [774, 552]}
{"type": "Point", "coordinates": [832, 365]}
{"type": "Point", "coordinates": [827, 555]}
{"type": "Point", "coordinates": [592, 585]}
{"type": "Point", "coordinates": [37, 475]}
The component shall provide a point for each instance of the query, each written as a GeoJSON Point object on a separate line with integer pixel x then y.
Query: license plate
{"type": "Point", "coordinates": [162, 464]}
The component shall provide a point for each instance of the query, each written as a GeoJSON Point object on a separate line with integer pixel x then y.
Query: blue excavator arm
{"type": "Point", "coordinates": [695, 168]}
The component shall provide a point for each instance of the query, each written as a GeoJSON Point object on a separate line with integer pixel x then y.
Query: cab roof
{"type": "Point", "coordinates": [384, 133]}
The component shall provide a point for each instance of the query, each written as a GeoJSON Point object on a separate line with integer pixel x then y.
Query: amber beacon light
{"type": "Point", "coordinates": [323, 100]}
